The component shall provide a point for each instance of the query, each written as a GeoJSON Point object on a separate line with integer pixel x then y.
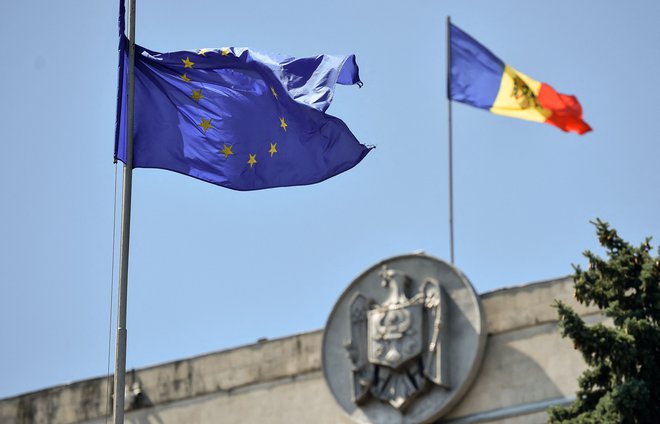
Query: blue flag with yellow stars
{"type": "Point", "coordinates": [238, 118]}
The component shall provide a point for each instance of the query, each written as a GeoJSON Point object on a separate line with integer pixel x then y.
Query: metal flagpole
{"type": "Point", "coordinates": [451, 171]}
{"type": "Point", "coordinates": [120, 355]}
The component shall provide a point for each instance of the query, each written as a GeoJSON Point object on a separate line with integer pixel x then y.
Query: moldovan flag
{"type": "Point", "coordinates": [479, 78]}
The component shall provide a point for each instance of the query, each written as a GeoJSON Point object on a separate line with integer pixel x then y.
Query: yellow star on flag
{"type": "Point", "coordinates": [185, 78]}
{"type": "Point", "coordinates": [283, 124]}
{"type": "Point", "coordinates": [273, 91]}
{"type": "Point", "coordinates": [226, 150]}
{"type": "Point", "coordinates": [225, 51]}
{"type": "Point", "coordinates": [187, 63]}
{"type": "Point", "coordinates": [202, 52]}
{"type": "Point", "coordinates": [197, 95]}
{"type": "Point", "coordinates": [252, 160]}
{"type": "Point", "coordinates": [273, 149]}
{"type": "Point", "coordinates": [206, 124]}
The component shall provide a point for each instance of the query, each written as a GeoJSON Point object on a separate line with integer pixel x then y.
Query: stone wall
{"type": "Point", "coordinates": [527, 366]}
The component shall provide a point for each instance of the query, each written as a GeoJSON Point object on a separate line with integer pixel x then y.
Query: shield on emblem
{"type": "Point", "coordinates": [394, 334]}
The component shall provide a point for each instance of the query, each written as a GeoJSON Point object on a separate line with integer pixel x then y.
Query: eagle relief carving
{"type": "Point", "coordinates": [396, 346]}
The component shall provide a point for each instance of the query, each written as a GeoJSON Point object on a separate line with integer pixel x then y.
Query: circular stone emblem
{"type": "Point", "coordinates": [404, 341]}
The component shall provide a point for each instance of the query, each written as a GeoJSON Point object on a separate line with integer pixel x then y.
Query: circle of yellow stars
{"type": "Point", "coordinates": [205, 124]}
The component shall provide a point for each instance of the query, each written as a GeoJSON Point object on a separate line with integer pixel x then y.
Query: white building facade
{"type": "Point", "coordinates": [526, 367]}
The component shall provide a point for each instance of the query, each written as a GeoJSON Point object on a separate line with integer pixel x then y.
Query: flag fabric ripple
{"type": "Point", "coordinates": [238, 118]}
{"type": "Point", "coordinates": [479, 78]}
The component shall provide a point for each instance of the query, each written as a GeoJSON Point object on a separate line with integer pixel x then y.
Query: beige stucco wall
{"type": "Point", "coordinates": [280, 381]}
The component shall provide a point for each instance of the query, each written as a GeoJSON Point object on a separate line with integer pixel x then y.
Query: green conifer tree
{"type": "Point", "coordinates": [622, 382]}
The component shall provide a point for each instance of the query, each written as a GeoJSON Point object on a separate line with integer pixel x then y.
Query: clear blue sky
{"type": "Point", "coordinates": [212, 268]}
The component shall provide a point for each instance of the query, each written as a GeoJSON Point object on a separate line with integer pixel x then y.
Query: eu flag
{"type": "Point", "coordinates": [238, 118]}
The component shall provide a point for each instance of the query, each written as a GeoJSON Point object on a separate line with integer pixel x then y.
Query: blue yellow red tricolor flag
{"type": "Point", "coordinates": [236, 117]}
{"type": "Point", "coordinates": [479, 78]}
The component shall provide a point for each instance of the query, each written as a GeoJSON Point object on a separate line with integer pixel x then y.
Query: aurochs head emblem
{"type": "Point", "coordinates": [403, 342]}
{"type": "Point", "coordinates": [391, 366]}
{"type": "Point", "coordinates": [523, 94]}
